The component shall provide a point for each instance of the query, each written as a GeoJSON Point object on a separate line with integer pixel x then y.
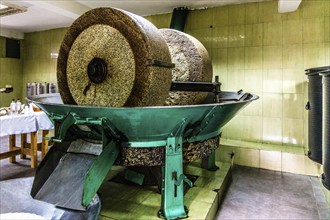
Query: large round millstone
{"type": "Point", "coordinates": [192, 63]}
{"type": "Point", "coordinates": [106, 60]}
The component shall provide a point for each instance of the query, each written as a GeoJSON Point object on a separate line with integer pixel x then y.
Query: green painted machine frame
{"type": "Point", "coordinates": [168, 126]}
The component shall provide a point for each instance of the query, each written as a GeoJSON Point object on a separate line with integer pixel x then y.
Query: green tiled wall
{"type": "Point", "coordinates": [256, 49]}
{"type": "Point", "coordinates": [38, 66]}
{"type": "Point", "coordinates": [10, 74]}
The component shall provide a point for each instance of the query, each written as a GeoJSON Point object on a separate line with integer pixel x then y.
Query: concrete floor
{"type": "Point", "coordinates": [19, 169]}
{"type": "Point", "coordinates": [264, 194]}
{"type": "Point", "coordinates": [253, 194]}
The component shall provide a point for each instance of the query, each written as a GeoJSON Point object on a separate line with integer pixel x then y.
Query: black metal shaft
{"type": "Point", "coordinates": [196, 86]}
{"type": "Point", "coordinates": [97, 70]}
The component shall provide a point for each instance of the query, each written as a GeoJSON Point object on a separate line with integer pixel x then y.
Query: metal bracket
{"type": "Point", "coordinates": [196, 86]}
{"type": "Point", "coordinates": [203, 124]}
{"type": "Point", "coordinates": [66, 123]}
{"type": "Point", "coordinates": [182, 178]}
{"type": "Point", "coordinates": [208, 162]}
{"type": "Point", "coordinates": [109, 132]}
{"type": "Point", "coordinates": [55, 117]}
{"type": "Point", "coordinates": [160, 63]}
{"type": "Point", "coordinates": [172, 206]}
{"type": "Point", "coordinates": [72, 119]}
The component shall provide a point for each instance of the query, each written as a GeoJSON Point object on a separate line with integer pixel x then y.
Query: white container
{"type": "Point", "coordinates": [26, 110]}
{"type": "Point", "coordinates": [13, 107]}
{"type": "Point", "coordinates": [18, 106]}
{"type": "Point", "coordinates": [31, 109]}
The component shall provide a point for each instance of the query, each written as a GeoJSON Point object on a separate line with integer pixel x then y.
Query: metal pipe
{"type": "Point", "coordinates": [179, 16]}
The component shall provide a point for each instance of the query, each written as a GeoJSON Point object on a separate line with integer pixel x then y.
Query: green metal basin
{"type": "Point", "coordinates": [170, 127]}
{"type": "Point", "coordinates": [151, 126]}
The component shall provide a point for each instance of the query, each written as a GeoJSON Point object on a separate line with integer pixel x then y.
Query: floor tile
{"type": "Point", "coordinates": [264, 194]}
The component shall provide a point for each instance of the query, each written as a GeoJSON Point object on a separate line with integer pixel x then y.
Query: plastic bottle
{"type": "Point", "coordinates": [26, 109]}
{"type": "Point", "coordinates": [13, 107]}
{"type": "Point", "coordinates": [18, 106]}
{"type": "Point", "coordinates": [31, 109]}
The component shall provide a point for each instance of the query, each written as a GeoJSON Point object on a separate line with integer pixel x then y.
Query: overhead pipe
{"type": "Point", "coordinates": [178, 20]}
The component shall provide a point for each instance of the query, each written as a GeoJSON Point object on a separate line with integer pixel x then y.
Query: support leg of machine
{"type": "Point", "coordinates": [34, 148]}
{"type": "Point", "coordinates": [172, 206]}
{"type": "Point", "coordinates": [209, 162]}
{"type": "Point", "coordinates": [12, 144]}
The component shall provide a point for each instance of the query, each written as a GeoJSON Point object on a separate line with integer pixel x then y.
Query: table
{"type": "Point", "coordinates": [24, 124]}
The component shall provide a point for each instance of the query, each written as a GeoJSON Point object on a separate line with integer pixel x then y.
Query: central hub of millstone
{"type": "Point", "coordinates": [97, 70]}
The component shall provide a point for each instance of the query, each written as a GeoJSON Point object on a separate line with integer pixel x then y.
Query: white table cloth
{"type": "Point", "coordinates": [24, 123]}
{"type": "Point", "coordinates": [42, 121]}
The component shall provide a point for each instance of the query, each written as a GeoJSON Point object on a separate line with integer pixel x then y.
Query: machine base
{"type": "Point", "coordinates": [122, 201]}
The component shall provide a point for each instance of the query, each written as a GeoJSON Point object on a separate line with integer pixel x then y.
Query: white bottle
{"type": "Point", "coordinates": [18, 106]}
{"type": "Point", "coordinates": [31, 109]}
{"type": "Point", "coordinates": [13, 107]}
{"type": "Point", "coordinates": [26, 109]}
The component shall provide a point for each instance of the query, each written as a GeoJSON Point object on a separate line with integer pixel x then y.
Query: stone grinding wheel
{"type": "Point", "coordinates": [192, 63]}
{"type": "Point", "coordinates": [106, 60]}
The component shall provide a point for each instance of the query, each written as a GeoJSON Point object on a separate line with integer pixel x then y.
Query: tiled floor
{"type": "Point", "coordinates": [264, 194]}
{"type": "Point", "coordinates": [253, 194]}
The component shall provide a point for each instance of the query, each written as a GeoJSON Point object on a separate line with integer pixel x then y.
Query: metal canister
{"type": "Point", "coordinates": [314, 107]}
{"type": "Point", "coordinates": [52, 88]}
{"type": "Point", "coordinates": [47, 87]}
{"type": "Point", "coordinates": [28, 90]}
{"type": "Point", "coordinates": [43, 89]}
{"type": "Point", "coordinates": [326, 128]}
{"type": "Point", "coordinates": [33, 89]}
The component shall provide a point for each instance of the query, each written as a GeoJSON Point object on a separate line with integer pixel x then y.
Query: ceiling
{"type": "Point", "coordinates": [44, 15]}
